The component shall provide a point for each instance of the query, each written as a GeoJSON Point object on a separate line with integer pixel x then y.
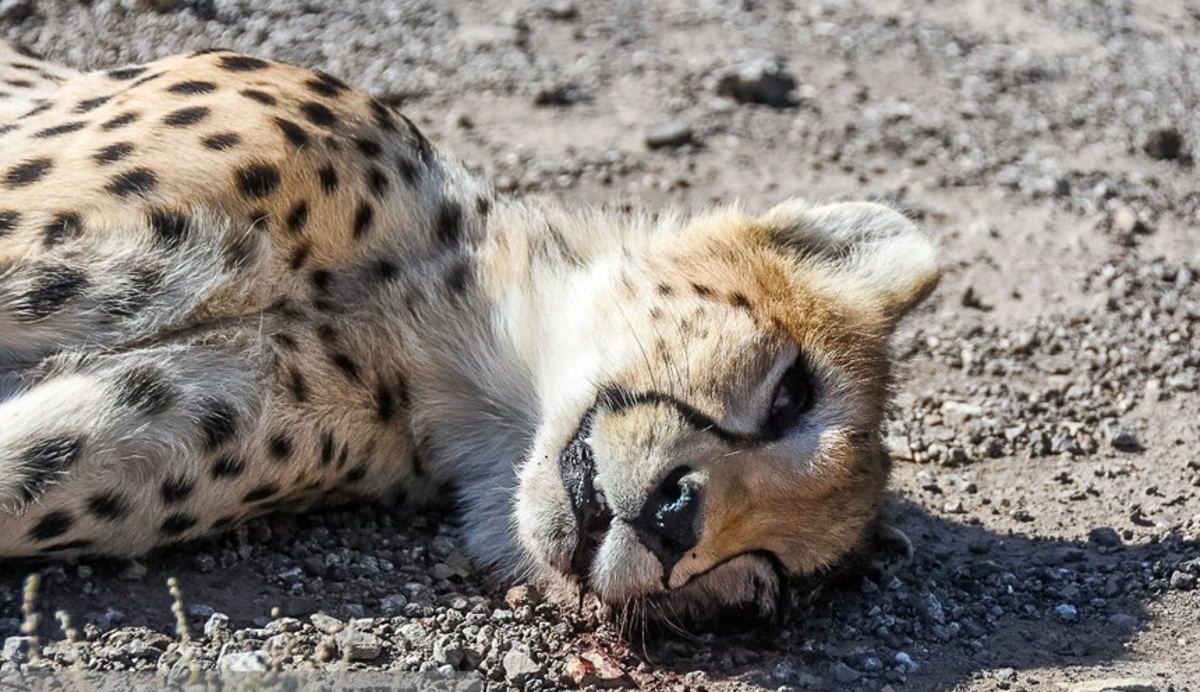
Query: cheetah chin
{"type": "Point", "coordinates": [230, 286]}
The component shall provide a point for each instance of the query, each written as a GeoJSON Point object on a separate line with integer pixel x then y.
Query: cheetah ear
{"type": "Point", "coordinates": [873, 246]}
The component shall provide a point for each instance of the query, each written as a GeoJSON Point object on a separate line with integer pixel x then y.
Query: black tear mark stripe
{"type": "Point", "coordinates": [616, 399]}
{"type": "Point", "coordinates": [54, 287]}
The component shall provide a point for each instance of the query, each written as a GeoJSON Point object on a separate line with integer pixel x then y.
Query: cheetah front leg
{"type": "Point", "coordinates": [117, 453]}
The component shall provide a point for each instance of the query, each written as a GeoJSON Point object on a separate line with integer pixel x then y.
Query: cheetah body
{"type": "Point", "coordinates": [229, 285]}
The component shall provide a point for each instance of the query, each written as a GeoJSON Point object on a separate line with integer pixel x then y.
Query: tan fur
{"type": "Point", "coordinates": [229, 285]}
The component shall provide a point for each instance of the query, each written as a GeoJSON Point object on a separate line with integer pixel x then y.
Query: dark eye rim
{"type": "Point", "coordinates": [794, 396]}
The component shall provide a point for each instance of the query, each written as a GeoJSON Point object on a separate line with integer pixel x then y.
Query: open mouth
{"type": "Point", "coordinates": [593, 517]}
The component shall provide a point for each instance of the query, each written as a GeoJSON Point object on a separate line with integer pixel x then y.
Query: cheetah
{"type": "Point", "coordinates": [230, 286]}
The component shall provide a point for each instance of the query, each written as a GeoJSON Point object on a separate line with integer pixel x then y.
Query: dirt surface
{"type": "Point", "coordinates": [1047, 433]}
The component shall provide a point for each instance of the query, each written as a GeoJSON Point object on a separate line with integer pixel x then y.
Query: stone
{"type": "Point", "coordinates": [523, 595]}
{"type": "Point", "coordinates": [519, 666]}
{"type": "Point", "coordinates": [596, 669]}
{"type": "Point", "coordinates": [762, 81]}
{"type": "Point", "coordinates": [843, 673]}
{"type": "Point", "coordinates": [359, 646]}
{"type": "Point", "coordinates": [1182, 581]}
{"type": "Point", "coordinates": [243, 662]}
{"type": "Point", "coordinates": [1066, 612]}
{"type": "Point", "coordinates": [1122, 436]}
{"type": "Point", "coordinates": [17, 650]}
{"type": "Point", "coordinates": [1114, 685]}
{"type": "Point", "coordinates": [217, 626]}
{"type": "Point", "coordinates": [1105, 536]}
{"type": "Point", "coordinates": [668, 134]}
{"type": "Point", "coordinates": [326, 624]}
{"type": "Point", "coordinates": [1164, 144]}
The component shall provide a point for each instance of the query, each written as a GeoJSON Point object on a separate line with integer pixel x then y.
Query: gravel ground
{"type": "Point", "coordinates": [1047, 437]}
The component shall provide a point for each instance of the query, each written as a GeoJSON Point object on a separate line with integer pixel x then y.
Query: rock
{"type": "Point", "coordinates": [441, 571]}
{"type": "Point", "coordinates": [762, 81]}
{"type": "Point", "coordinates": [200, 610]}
{"type": "Point", "coordinates": [668, 134]}
{"type": "Point", "coordinates": [359, 646]}
{"type": "Point", "coordinates": [954, 507]}
{"type": "Point", "coordinates": [519, 666]}
{"type": "Point", "coordinates": [1164, 144]}
{"type": "Point", "coordinates": [562, 10]}
{"type": "Point", "coordinates": [523, 595]}
{"type": "Point", "coordinates": [17, 650]}
{"type": "Point", "coordinates": [1123, 621]}
{"type": "Point", "coordinates": [906, 662]}
{"type": "Point", "coordinates": [217, 626]}
{"type": "Point", "coordinates": [243, 662]}
{"type": "Point", "coordinates": [596, 669]}
{"type": "Point", "coordinates": [1184, 382]}
{"type": "Point", "coordinates": [393, 604]}
{"type": "Point", "coordinates": [1126, 222]}
{"type": "Point", "coordinates": [1122, 436]}
{"type": "Point", "coordinates": [1066, 612]}
{"type": "Point", "coordinates": [560, 95]}
{"type": "Point", "coordinates": [843, 673]}
{"type": "Point", "coordinates": [1182, 581]}
{"type": "Point", "coordinates": [1114, 685]}
{"type": "Point", "coordinates": [326, 624]}
{"type": "Point", "coordinates": [1105, 536]}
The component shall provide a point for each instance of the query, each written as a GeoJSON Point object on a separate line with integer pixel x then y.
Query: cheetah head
{"type": "Point", "coordinates": [719, 430]}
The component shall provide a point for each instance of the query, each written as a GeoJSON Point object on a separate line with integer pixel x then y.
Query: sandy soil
{"type": "Point", "coordinates": [1047, 433]}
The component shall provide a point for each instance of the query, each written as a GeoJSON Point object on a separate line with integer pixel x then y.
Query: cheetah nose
{"type": "Point", "coordinates": [667, 524]}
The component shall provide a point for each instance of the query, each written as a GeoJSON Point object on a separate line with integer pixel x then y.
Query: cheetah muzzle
{"type": "Point", "coordinates": [230, 286]}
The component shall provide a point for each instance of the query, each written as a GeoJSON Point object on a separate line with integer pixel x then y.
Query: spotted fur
{"type": "Point", "coordinates": [229, 285]}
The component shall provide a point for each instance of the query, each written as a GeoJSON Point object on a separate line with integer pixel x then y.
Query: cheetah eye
{"type": "Point", "coordinates": [793, 398]}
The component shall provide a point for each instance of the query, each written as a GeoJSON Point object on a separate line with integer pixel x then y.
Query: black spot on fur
{"type": "Point", "coordinates": [8, 221]}
{"type": "Point", "coordinates": [127, 73]}
{"type": "Point", "coordinates": [192, 87]}
{"type": "Point", "coordinates": [297, 385]}
{"type": "Point", "coordinates": [739, 300]}
{"type": "Point", "coordinates": [59, 129]}
{"type": "Point", "coordinates": [218, 425]}
{"type": "Point", "coordinates": [242, 63]}
{"type": "Point", "coordinates": [5, 129]}
{"type": "Point", "coordinates": [169, 226]}
{"type": "Point", "coordinates": [345, 364]}
{"type": "Point", "coordinates": [112, 153]}
{"type": "Point", "coordinates": [221, 141]}
{"type": "Point", "coordinates": [261, 493]}
{"type": "Point", "coordinates": [258, 180]}
{"type": "Point", "coordinates": [52, 525]}
{"type": "Point", "coordinates": [343, 456]}
{"type": "Point", "coordinates": [320, 279]}
{"type": "Point", "coordinates": [260, 96]}
{"type": "Point", "coordinates": [369, 147]}
{"type": "Point", "coordinates": [224, 523]}
{"type": "Point", "coordinates": [46, 459]}
{"type": "Point", "coordinates": [146, 388]}
{"type": "Point", "coordinates": [378, 182]}
{"type": "Point", "coordinates": [176, 524]}
{"type": "Point", "coordinates": [75, 545]}
{"type": "Point", "coordinates": [120, 121]}
{"type": "Point", "coordinates": [326, 449]}
{"type": "Point", "coordinates": [28, 172]}
{"type": "Point", "coordinates": [384, 270]}
{"type": "Point", "coordinates": [227, 466]}
{"type": "Point", "coordinates": [294, 133]}
{"type": "Point", "coordinates": [318, 114]}
{"type": "Point", "coordinates": [42, 106]}
{"type": "Point", "coordinates": [186, 116]}
{"type": "Point", "coordinates": [383, 116]}
{"type": "Point", "coordinates": [63, 227]}
{"type": "Point", "coordinates": [88, 105]}
{"type": "Point", "coordinates": [51, 290]}
{"type": "Point", "coordinates": [279, 446]}
{"type": "Point", "coordinates": [483, 206]}
{"type": "Point", "coordinates": [285, 340]}
{"type": "Point", "coordinates": [329, 179]}
{"type": "Point", "coordinates": [326, 85]}
{"type": "Point", "coordinates": [327, 333]}
{"type": "Point", "coordinates": [300, 257]}
{"type": "Point", "coordinates": [363, 219]}
{"type": "Point", "coordinates": [459, 276]}
{"type": "Point", "coordinates": [408, 169]}
{"type": "Point", "coordinates": [356, 474]}
{"type": "Point", "coordinates": [385, 403]}
{"type": "Point", "coordinates": [449, 223]}
{"type": "Point", "coordinates": [109, 506]}
{"type": "Point", "coordinates": [175, 490]}
{"type": "Point", "coordinates": [138, 181]}
{"type": "Point", "coordinates": [297, 217]}
{"type": "Point", "coordinates": [702, 290]}
{"type": "Point", "coordinates": [142, 285]}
